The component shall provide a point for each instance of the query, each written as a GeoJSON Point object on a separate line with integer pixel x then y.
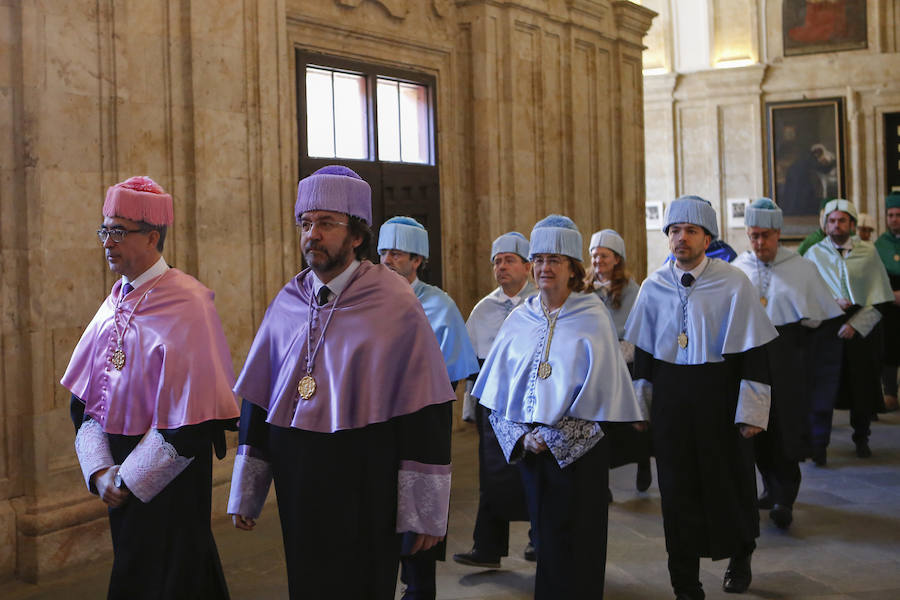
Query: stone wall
{"type": "Point", "coordinates": [539, 110]}
{"type": "Point", "coordinates": [705, 129]}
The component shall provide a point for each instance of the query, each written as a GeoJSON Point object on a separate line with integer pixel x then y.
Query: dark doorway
{"type": "Point", "coordinates": [394, 149]}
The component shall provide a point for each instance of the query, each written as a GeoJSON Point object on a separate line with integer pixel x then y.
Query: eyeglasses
{"type": "Point", "coordinates": [552, 260]}
{"type": "Point", "coordinates": [325, 225]}
{"type": "Point", "coordinates": [117, 233]}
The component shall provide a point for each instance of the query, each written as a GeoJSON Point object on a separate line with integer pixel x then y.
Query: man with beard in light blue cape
{"type": "Point", "coordinates": [403, 248]}
{"type": "Point", "coordinates": [553, 375]}
{"type": "Point", "coordinates": [798, 302]}
{"type": "Point", "coordinates": [700, 333]}
{"type": "Point", "coordinates": [859, 282]}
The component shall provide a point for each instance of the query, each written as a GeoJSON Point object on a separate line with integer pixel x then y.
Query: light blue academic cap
{"type": "Point", "coordinates": [556, 234]}
{"type": "Point", "coordinates": [513, 242]}
{"type": "Point", "coordinates": [404, 234]}
{"type": "Point", "coordinates": [764, 213]}
{"type": "Point", "coordinates": [694, 210]}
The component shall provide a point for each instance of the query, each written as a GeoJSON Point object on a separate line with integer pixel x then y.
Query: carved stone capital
{"type": "Point", "coordinates": [396, 8]}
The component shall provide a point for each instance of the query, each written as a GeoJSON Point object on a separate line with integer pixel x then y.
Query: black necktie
{"type": "Point", "coordinates": [322, 297]}
{"type": "Point", "coordinates": [687, 280]}
{"type": "Point", "coordinates": [127, 289]}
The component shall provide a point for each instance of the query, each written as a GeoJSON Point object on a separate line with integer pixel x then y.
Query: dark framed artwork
{"type": "Point", "coordinates": [812, 26]}
{"type": "Point", "coordinates": [805, 159]}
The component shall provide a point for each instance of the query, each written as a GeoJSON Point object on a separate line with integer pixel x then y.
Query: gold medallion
{"type": "Point", "coordinates": [897, 258]}
{"type": "Point", "coordinates": [118, 359]}
{"type": "Point", "coordinates": [306, 387]}
{"type": "Point", "coordinates": [544, 370]}
{"type": "Point", "coordinates": [682, 340]}
{"type": "Point", "coordinates": [764, 301]}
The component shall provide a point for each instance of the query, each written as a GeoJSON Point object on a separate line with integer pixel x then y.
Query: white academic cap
{"type": "Point", "coordinates": [608, 238]}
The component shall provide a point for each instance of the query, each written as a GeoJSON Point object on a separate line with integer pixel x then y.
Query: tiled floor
{"type": "Point", "coordinates": [844, 544]}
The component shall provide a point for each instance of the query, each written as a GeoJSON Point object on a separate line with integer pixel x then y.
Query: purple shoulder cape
{"type": "Point", "coordinates": [379, 359]}
{"type": "Point", "coordinates": [178, 368]}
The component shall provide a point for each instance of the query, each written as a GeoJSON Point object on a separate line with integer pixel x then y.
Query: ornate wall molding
{"type": "Point", "coordinates": [396, 8]}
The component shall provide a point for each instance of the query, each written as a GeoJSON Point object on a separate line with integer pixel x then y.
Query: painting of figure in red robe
{"type": "Point", "coordinates": [810, 26]}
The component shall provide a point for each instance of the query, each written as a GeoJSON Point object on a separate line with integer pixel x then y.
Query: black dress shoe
{"type": "Point", "coordinates": [697, 594]}
{"type": "Point", "coordinates": [765, 502]}
{"type": "Point", "coordinates": [782, 516]}
{"type": "Point", "coordinates": [477, 559]}
{"type": "Point", "coordinates": [644, 476]}
{"type": "Point", "coordinates": [819, 457]}
{"type": "Point", "coordinates": [737, 575]}
{"type": "Point", "coordinates": [530, 553]}
{"type": "Point", "coordinates": [863, 450]}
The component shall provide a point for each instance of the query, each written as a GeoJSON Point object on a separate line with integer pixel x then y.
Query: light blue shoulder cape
{"type": "Point", "coordinates": [589, 379]}
{"type": "Point", "coordinates": [795, 289]}
{"type": "Point", "coordinates": [450, 329]}
{"type": "Point", "coordinates": [724, 316]}
{"type": "Point", "coordinates": [488, 315]}
{"type": "Point", "coordinates": [860, 277]}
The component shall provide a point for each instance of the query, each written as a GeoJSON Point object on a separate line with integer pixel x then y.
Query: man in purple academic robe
{"type": "Point", "coordinates": [346, 407]}
{"type": "Point", "coordinates": [151, 392]}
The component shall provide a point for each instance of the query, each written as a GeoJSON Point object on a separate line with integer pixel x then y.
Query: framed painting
{"type": "Point", "coordinates": [805, 159]}
{"type": "Point", "coordinates": [654, 214]}
{"type": "Point", "coordinates": [736, 207]}
{"type": "Point", "coordinates": [813, 26]}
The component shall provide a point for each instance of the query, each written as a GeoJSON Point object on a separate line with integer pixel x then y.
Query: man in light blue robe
{"type": "Point", "coordinates": [501, 498]}
{"type": "Point", "coordinates": [858, 280]}
{"type": "Point", "coordinates": [403, 247]}
{"type": "Point", "coordinates": [700, 362]}
{"type": "Point", "coordinates": [798, 302]}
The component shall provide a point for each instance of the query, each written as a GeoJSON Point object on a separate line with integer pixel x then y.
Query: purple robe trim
{"type": "Point", "coordinates": [250, 481]}
{"type": "Point", "coordinates": [423, 497]}
{"type": "Point", "coordinates": [178, 369]}
{"type": "Point", "coordinates": [379, 359]}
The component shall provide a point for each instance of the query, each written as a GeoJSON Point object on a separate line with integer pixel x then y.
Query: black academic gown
{"type": "Point", "coordinates": [337, 497]}
{"type": "Point", "coordinates": [891, 313]}
{"type": "Point", "coordinates": [164, 549]}
{"type": "Point", "coordinates": [705, 468]}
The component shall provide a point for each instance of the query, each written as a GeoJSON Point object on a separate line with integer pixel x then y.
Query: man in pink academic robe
{"type": "Point", "coordinates": [151, 392]}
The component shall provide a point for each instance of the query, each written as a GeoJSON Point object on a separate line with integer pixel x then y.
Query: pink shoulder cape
{"type": "Point", "coordinates": [178, 368]}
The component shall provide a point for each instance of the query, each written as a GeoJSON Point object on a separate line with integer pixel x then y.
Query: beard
{"type": "Point", "coordinates": [323, 260]}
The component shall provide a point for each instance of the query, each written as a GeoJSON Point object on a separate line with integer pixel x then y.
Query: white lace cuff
{"type": "Point", "coordinates": [627, 349]}
{"type": "Point", "coordinates": [151, 466]}
{"type": "Point", "coordinates": [423, 498]}
{"type": "Point", "coordinates": [92, 449]}
{"type": "Point", "coordinates": [754, 400]}
{"type": "Point", "coordinates": [643, 389]}
{"type": "Point", "coordinates": [250, 483]}
{"type": "Point", "coordinates": [468, 407]}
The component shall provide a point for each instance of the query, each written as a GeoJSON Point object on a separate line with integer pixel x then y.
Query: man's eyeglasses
{"type": "Point", "coordinates": [325, 225]}
{"type": "Point", "coordinates": [117, 233]}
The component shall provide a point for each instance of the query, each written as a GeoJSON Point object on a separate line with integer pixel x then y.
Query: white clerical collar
{"type": "Point", "coordinates": [158, 268]}
{"type": "Point", "coordinates": [337, 284]}
{"type": "Point", "coordinates": [695, 271]}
